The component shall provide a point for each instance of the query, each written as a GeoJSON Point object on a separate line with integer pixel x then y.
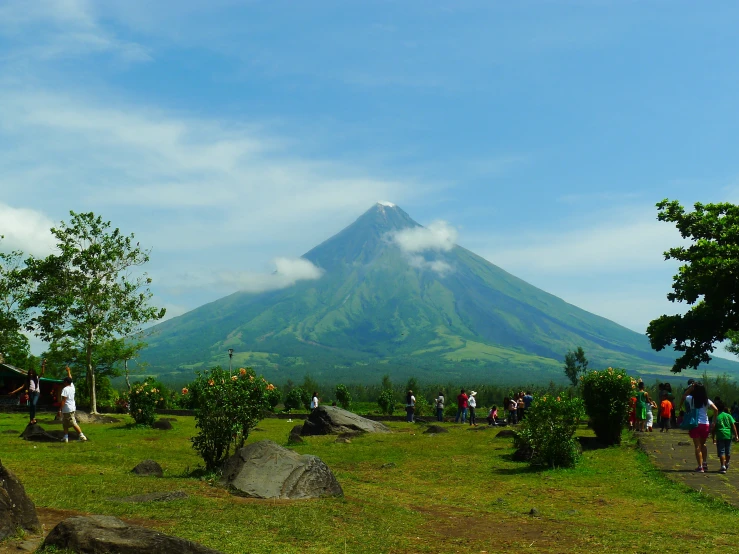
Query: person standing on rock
{"type": "Point", "coordinates": [696, 398]}
{"type": "Point", "coordinates": [410, 406]}
{"type": "Point", "coordinates": [440, 407]}
{"type": "Point", "coordinates": [462, 405]}
{"type": "Point", "coordinates": [33, 386]}
{"type": "Point", "coordinates": [313, 402]}
{"type": "Point", "coordinates": [69, 408]}
{"type": "Point", "coordinates": [473, 405]}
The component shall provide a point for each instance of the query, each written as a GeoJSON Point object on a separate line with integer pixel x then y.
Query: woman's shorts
{"type": "Point", "coordinates": [700, 432]}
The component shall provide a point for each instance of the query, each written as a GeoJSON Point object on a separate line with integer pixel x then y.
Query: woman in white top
{"type": "Point", "coordinates": [473, 404]}
{"type": "Point", "coordinates": [697, 397]}
{"type": "Point", "coordinates": [33, 386]}
{"type": "Point", "coordinates": [314, 401]}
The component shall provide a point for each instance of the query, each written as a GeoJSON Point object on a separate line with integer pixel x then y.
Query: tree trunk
{"type": "Point", "coordinates": [91, 376]}
{"type": "Point", "coordinates": [125, 369]}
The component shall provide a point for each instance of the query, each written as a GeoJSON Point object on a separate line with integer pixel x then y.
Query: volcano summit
{"type": "Point", "coordinates": [395, 297]}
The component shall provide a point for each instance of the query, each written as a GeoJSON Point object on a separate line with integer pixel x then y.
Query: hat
{"type": "Point", "coordinates": [473, 393]}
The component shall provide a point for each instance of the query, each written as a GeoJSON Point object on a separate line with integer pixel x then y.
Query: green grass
{"type": "Point", "coordinates": [455, 492]}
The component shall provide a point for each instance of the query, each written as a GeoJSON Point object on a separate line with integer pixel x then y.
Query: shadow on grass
{"type": "Point", "coordinates": [524, 468]}
{"type": "Point", "coordinates": [591, 443]}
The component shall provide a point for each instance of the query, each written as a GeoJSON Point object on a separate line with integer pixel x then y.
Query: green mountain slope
{"type": "Point", "coordinates": [379, 310]}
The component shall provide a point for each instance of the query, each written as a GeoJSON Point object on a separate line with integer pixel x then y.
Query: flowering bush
{"type": "Point", "coordinates": [142, 402]}
{"type": "Point", "coordinates": [546, 436]}
{"type": "Point", "coordinates": [228, 407]}
{"type": "Point", "coordinates": [606, 394]}
{"type": "Point", "coordinates": [273, 396]}
{"type": "Point", "coordinates": [343, 396]}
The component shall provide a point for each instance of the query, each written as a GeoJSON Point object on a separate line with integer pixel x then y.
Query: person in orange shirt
{"type": "Point", "coordinates": [665, 410]}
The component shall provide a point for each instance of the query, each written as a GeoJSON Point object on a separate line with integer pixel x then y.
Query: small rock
{"type": "Point", "coordinates": [341, 440]}
{"type": "Point", "coordinates": [435, 429]}
{"type": "Point", "coordinates": [388, 465]}
{"type": "Point", "coordinates": [153, 497]}
{"type": "Point", "coordinates": [683, 443]}
{"type": "Point", "coordinates": [295, 439]}
{"type": "Point", "coordinates": [162, 425]}
{"type": "Point", "coordinates": [29, 546]}
{"type": "Point", "coordinates": [148, 468]}
{"type": "Point", "coordinates": [534, 512]}
{"type": "Point", "coordinates": [571, 512]}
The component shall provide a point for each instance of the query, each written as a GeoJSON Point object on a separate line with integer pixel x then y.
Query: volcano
{"type": "Point", "coordinates": [397, 298]}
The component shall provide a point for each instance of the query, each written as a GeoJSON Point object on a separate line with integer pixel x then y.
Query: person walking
{"type": "Point", "coordinates": [665, 413]}
{"type": "Point", "coordinates": [513, 410]}
{"type": "Point", "coordinates": [313, 402]}
{"type": "Point", "coordinates": [642, 403]}
{"type": "Point", "coordinates": [462, 405]}
{"type": "Point", "coordinates": [473, 405]}
{"type": "Point", "coordinates": [68, 409]}
{"type": "Point", "coordinates": [33, 386]}
{"type": "Point", "coordinates": [724, 428]}
{"type": "Point", "coordinates": [410, 406]}
{"type": "Point", "coordinates": [440, 407]}
{"type": "Point", "coordinates": [696, 398]}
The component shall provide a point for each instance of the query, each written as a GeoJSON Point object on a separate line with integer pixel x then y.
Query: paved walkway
{"type": "Point", "coordinates": [674, 454]}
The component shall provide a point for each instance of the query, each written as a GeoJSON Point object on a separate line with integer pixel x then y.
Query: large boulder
{"type": "Point", "coordinates": [330, 420]}
{"type": "Point", "coordinates": [106, 534]}
{"type": "Point", "coordinates": [16, 509]}
{"type": "Point", "coordinates": [265, 469]}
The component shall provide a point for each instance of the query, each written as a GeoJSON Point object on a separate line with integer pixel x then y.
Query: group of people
{"type": "Point", "coordinates": [699, 414]}
{"type": "Point", "coordinates": [67, 408]}
{"type": "Point", "coordinates": [514, 408]}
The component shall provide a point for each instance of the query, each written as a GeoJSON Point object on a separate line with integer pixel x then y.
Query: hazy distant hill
{"type": "Point", "coordinates": [377, 309]}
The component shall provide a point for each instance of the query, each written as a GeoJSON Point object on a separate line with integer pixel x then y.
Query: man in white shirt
{"type": "Point", "coordinates": [68, 408]}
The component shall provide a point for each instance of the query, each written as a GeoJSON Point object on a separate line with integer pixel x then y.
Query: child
{"type": "Point", "coordinates": [650, 416]}
{"type": "Point", "coordinates": [493, 416]}
{"type": "Point", "coordinates": [665, 412]}
{"type": "Point", "coordinates": [725, 427]}
{"type": "Point", "coordinates": [632, 413]}
{"type": "Point", "coordinates": [679, 420]}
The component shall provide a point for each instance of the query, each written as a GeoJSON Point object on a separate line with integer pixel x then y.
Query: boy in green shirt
{"type": "Point", "coordinates": [725, 428]}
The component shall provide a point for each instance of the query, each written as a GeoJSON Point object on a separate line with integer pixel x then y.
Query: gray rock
{"type": "Point", "coordinates": [106, 534]}
{"type": "Point", "coordinates": [148, 468]}
{"type": "Point", "coordinates": [153, 497]}
{"type": "Point", "coordinates": [388, 465]}
{"type": "Point", "coordinates": [162, 425]}
{"type": "Point", "coordinates": [343, 440]}
{"type": "Point", "coordinates": [534, 512]}
{"type": "Point", "coordinates": [330, 420]}
{"type": "Point", "coordinates": [505, 434]}
{"type": "Point", "coordinates": [29, 546]}
{"type": "Point", "coordinates": [435, 429]}
{"type": "Point", "coordinates": [84, 417]}
{"type": "Point", "coordinates": [16, 509]}
{"type": "Point", "coordinates": [295, 437]}
{"type": "Point", "coordinates": [265, 469]}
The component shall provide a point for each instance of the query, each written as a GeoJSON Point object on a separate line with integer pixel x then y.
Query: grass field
{"type": "Point", "coordinates": [455, 492]}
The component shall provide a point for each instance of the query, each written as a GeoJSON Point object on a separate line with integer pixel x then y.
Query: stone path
{"type": "Point", "coordinates": [673, 453]}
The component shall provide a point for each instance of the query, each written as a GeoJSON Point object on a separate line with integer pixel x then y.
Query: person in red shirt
{"type": "Point", "coordinates": [665, 411]}
{"type": "Point", "coordinates": [462, 405]}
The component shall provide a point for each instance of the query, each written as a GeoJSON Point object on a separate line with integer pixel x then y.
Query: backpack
{"type": "Point", "coordinates": [690, 420]}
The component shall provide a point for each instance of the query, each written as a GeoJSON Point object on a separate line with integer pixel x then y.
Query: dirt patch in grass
{"type": "Point", "coordinates": [525, 530]}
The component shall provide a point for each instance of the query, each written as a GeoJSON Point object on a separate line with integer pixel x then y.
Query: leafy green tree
{"type": "Point", "coordinates": [706, 280]}
{"type": "Point", "coordinates": [309, 385]}
{"type": "Point", "coordinates": [343, 396]}
{"type": "Point", "coordinates": [606, 395]}
{"type": "Point", "coordinates": [575, 364]}
{"type": "Point", "coordinates": [386, 401]}
{"type": "Point", "coordinates": [14, 291]}
{"type": "Point", "coordinates": [296, 398]}
{"type": "Point", "coordinates": [412, 385]}
{"type": "Point", "coordinates": [387, 384]}
{"type": "Point", "coordinates": [87, 294]}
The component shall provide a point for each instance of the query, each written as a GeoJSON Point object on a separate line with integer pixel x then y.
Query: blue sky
{"type": "Point", "coordinates": [230, 134]}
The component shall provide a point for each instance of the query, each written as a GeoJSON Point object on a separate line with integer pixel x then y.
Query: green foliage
{"type": "Point", "coordinates": [86, 296]}
{"type": "Point", "coordinates": [386, 402]}
{"type": "Point", "coordinates": [142, 402]}
{"type": "Point", "coordinates": [423, 408]}
{"type": "Point", "coordinates": [606, 395]}
{"type": "Point", "coordinates": [343, 396]}
{"type": "Point", "coordinates": [273, 397]}
{"type": "Point", "coordinates": [546, 435]}
{"type": "Point", "coordinates": [14, 291]}
{"type": "Point", "coordinates": [706, 280]}
{"type": "Point", "coordinates": [575, 364]}
{"type": "Point", "coordinates": [228, 408]}
{"type": "Point", "coordinates": [387, 384]}
{"type": "Point", "coordinates": [297, 398]}
{"type": "Point", "coordinates": [104, 392]}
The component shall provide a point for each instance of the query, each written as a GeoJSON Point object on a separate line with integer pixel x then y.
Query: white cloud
{"type": "Point", "coordinates": [438, 266]}
{"type": "Point", "coordinates": [438, 236]}
{"type": "Point", "coordinates": [26, 230]}
{"type": "Point", "coordinates": [52, 29]}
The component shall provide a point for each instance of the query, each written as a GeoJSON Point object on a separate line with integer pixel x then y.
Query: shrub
{"type": "Point", "coordinates": [386, 402]}
{"type": "Point", "coordinates": [273, 398]}
{"type": "Point", "coordinates": [423, 408]}
{"type": "Point", "coordinates": [228, 408]}
{"type": "Point", "coordinates": [296, 399]}
{"type": "Point", "coordinates": [142, 402]}
{"type": "Point", "coordinates": [546, 436]}
{"type": "Point", "coordinates": [606, 395]}
{"type": "Point", "coordinates": [343, 397]}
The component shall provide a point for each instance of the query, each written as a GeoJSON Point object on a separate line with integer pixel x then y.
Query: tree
{"type": "Point", "coordinates": [386, 383]}
{"type": "Point", "coordinates": [14, 291]}
{"type": "Point", "coordinates": [87, 295]}
{"type": "Point", "coordinates": [575, 364]}
{"type": "Point", "coordinates": [707, 280]}
{"type": "Point", "coordinates": [343, 396]}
